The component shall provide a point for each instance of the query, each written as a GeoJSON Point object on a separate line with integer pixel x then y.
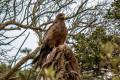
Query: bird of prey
{"type": "Point", "coordinates": [55, 36]}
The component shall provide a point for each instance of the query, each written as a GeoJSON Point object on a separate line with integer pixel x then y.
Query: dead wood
{"type": "Point", "coordinates": [64, 62]}
{"type": "Point", "coordinates": [61, 59]}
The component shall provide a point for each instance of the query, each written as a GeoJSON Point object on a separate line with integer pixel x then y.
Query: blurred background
{"type": "Point", "coordinates": [93, 34]}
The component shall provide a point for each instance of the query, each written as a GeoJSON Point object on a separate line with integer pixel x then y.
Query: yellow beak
{"type": "Point", "coordinates": [65, 17]}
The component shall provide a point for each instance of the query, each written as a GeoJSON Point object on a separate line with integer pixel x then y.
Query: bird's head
{"type": "Point", "coordinates": [61, 16]}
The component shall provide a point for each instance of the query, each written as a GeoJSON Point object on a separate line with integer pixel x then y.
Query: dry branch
{"type": "Point", "coordinates": [20, 25]}
{"type": "Point", "coordinates": [58, 59]}
{"type": "Point", "coordinates": [19, 64]}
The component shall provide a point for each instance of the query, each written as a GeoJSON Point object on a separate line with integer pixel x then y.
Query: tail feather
{"type": "Point", "coordinates": [39, 60]}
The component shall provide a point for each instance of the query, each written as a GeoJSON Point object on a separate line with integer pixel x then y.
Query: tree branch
{"type": "Point", "coordinates": [19, 64]}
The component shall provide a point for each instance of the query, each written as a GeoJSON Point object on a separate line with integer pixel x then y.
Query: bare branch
{"type": "Point", "coordinates": [20, 63]}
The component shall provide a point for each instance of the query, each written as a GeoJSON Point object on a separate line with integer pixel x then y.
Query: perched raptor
{"type": "Point", "coordinates": [55, 36]}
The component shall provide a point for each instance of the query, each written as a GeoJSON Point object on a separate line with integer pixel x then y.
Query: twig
{"type": "Point", "coordinates": [19, 64]}
{"type": "Point", "coordinates": [19, 49]}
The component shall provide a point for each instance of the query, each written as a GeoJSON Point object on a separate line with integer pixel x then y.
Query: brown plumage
{"type": "Point", "coordinates": [56, 35]}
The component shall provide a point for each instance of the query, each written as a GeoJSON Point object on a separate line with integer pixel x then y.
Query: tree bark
{"type": "Point", "coordinates": [64, 63]}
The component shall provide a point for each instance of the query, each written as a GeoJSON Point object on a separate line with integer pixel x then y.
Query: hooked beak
{"type": "Point", "coordinates": [64, 17]}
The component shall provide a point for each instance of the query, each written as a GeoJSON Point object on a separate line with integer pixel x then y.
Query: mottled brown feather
{"type": "Point", "coordinates": [55, 36]}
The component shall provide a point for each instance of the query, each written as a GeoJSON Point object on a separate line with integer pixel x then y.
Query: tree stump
{"type": "Point", "coordinates": [63, 62]}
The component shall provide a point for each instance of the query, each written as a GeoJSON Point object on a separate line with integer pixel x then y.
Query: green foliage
{"type": "Point", "coordinates": [114, 11]}
{"type": "Point", "coordinates": [96, 52]}
{"type": "Point", "coordinates": [28, 74]}
{"type": "Point", "coordinates": [116, 78]}
{"type": "Point", "coordinates": [4, 68]}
